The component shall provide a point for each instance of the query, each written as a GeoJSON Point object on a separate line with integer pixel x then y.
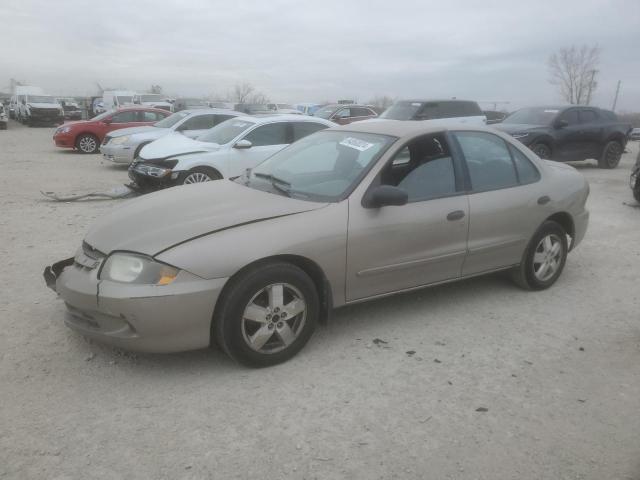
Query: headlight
{"type": "Point", "coordinates": [151, 170]}
{"type": "Point", "coordinates": [139, 269]}
{"type": "Point", "coordinates": [520, 135]}
{"type": "Point", "coordinates": [120, 140]}
{"type": "Point", "coordinates": [64, 129]}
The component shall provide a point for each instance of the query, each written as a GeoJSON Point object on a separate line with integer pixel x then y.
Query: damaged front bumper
{"type": "Point", "coordinates": [145, 318]}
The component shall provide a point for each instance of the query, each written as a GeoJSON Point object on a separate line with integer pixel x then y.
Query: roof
{"type": "Point", "coordinates": [402, 128]}
{"type": "Point", "coordinates": [208, 111]}
{"type": "Point", "coordinates": [140, 107]}
{"type": "Point", "coordinates": [289, 117]}
{"type": "Point", "coordinates": [434, 100]}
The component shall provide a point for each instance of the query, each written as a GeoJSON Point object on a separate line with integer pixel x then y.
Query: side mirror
{"type": "Point", "coordinates": [243, 144]}
{"type": "Point", "coordinates": [107, 121]}
{"type": "Point", "coordinates": [387, 195]}
{"type": "Point", "coordinates": [562, 124]}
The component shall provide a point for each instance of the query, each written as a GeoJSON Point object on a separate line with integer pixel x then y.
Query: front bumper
{"type": "Point", "coordinates": [64, 140]}
{"type": "Point", "coordinates": [149, 182]}
{"type": "Point", "coordinates": [117, 153]}
{"type": "Point", "coordinates": [144, 318]}
{"type": "Point", "coordinates": [75, 115]}
{"type": "Point", "coordinates": [36, 116]}
{"type": "Point", "coordinates": [580, 223]}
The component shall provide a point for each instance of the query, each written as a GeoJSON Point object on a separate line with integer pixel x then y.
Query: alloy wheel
{"type": "Point", "coordinates": [87, 144]}
{"type": "Point", "coordinates": [613, 154]}
{"type": "Point", "coordinates": [196, 177]}
{"type": "Point", "coordinates": [547, 258]}
{"type": "Point", "coordinates": [274, 318]}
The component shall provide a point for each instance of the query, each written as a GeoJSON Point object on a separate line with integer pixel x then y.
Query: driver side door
{"type": "Point", "coordinates": [390, 249]}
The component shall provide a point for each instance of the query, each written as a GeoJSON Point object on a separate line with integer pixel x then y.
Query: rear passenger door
{"type": "Point", "coordinates": [570, 141]}
{"type": "Point", "coordinates": [265, 141]}
{"type": "Point", "coordinates": [504, 190]}
{"type": "Point", "coordinates": [592, 130]}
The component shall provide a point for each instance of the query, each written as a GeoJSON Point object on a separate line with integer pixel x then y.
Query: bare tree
{"type": "Point", "coordinates": [574, 71]}
{"type": "Point", "coordinates": [242, 91]}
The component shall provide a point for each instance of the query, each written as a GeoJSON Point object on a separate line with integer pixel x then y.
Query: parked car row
{"type": "Point", "coordinates": [343, 215]}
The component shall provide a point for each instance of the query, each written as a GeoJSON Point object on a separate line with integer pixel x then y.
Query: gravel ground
{"type": "Point", "coordinates": [503, 384]}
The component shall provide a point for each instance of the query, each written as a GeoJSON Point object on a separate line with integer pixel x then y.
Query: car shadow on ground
{"type": "Point", "coordinates": [344, 322]}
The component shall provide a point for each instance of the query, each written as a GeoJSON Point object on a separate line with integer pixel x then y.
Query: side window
{"type": "Point", "coordinates": [150, 117]}
{"type": "Point", "coordinates": [302, 129]}
{"type": "Point", "coordinates": [570, 116]}
{"type": "Point", "coordinates": [429, 110]}
{"type": "Point", "coordinates": [527, 172]}
{"type": "Point", "coordinates": [588, 116]}
{"type": "Point", "coordinates": [360, 112]}
{"type": "Point", "coordinates": [271, 134]}
{"type": "Point", "coordinates": [199, 122]}
{"type": "Point", "coordinates": [488, 160]}
{"type": "Point", "coordinates": [125, 117]}
{"type": "Point", "coordinates": [343, 113]}
{"type": "Point", "coordinates": [424, 169]}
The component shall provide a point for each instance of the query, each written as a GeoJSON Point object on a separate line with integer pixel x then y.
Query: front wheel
{"type": "Point", "coordinates": [636, 190]}
{"type": "Point", "coordinates": [542, 150]}
{"type": "Point", "coordinates": [87, 143]}
{"type": "Point", "coordinates": [267, 315]}
{"type": "Point", "coordinates": [200, 175]}
{"type": "Point", "coordinates": [611, 155]}
{"type": "Point", "coordinates": [544, 258]}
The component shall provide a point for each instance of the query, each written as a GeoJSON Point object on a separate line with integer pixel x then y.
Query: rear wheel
{"type": "Point", "coordinates": [87, 143]}
{"type": "Point", "coordinates": [636, 190]}
{"type": "Point", "coordinates": [544, 258]}
{"type": "Point", "coordinates": [611, 155]}
{"type": "Point", "coordinates": [267, 314]}
{"type": "Point", "coordinates": [542, 150]}
{"type": "Point", "coordinates": [200, 175]}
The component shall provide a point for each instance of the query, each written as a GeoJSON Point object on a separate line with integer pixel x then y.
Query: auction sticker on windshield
{"type": "Point", "coordinates": [356, 143]}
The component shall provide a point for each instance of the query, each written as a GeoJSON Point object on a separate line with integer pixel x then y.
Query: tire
{"type": "Point", "coordinates": [542, 150]}
{"type": "Point", "coordinates": [200, 175]}
{"type": "Point", "coordinates": [611, 155]}
{"type": "Point", "coordinates": [247, 323]}
{"type": "Point", "coordinates": [636, 191]}
{"type": "Point", "coordinates": [87, 143]}
{"type": "Point", "coordinates": [542, 250]}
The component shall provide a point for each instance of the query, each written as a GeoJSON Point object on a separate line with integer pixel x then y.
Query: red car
{"type": "Point", "coordinates": [86, 135]}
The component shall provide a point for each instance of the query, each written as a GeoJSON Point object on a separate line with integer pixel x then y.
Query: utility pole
{"type": "Point", "coordinates": [615, 99]}
{"type": "Point", "coordinates": [591, 86]}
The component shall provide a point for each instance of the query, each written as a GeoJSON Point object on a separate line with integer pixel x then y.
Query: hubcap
{"type": "Point", "coordinates": [541, 151]}
{"type": "Point", "coordinates": [274, 318]}
{"type": "Point", "coordinates": [87, 144]}
{"type": "Point", "coordinates": [547, 257]}
{"type": "Point", "coordinates": [196, 177]}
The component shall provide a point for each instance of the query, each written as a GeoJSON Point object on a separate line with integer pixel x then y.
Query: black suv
{"type": "Point", "coordinates": [569, 133]}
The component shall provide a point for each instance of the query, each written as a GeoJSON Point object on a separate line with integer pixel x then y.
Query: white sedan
{"type": "Point", "coordinates": [124, 145]}
{"type": "Point", "coordinates": [227, 150]}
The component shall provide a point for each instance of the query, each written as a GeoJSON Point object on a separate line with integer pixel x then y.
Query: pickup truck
{"type": "Point", "coordinates": [569, 133]}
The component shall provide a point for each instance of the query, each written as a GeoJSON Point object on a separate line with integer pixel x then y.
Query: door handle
{"type": "Point", "coordinates": [544, 200]}
{"type": "Point", "coordinates": [455, 215]}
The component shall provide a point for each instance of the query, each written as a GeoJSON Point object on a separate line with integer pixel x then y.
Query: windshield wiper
{"type": "Point", "coordinates": [276, 182]}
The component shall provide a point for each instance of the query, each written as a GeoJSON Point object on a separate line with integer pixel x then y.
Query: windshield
{"type": "Point", "coordinates": [151, 98]}
{"type": "Point", "coordinates": [124, 99]}
{"type": "Point", "coordinates": [171, 120]}
{"type": "Point", "coordinates": [402, 110]}
{"type": "Point", "coordinates": [321, 167]}
{"type": "Point", "coordinates": [102, 116]}
{"type": "Point", "coordinates": [225, 132]}
{"type": "Point", "coordinates": [533, 116]}
{"type": "Point", "coordinates": [40, 99]}
{"type": "Point", "coordinates": [325, 112]}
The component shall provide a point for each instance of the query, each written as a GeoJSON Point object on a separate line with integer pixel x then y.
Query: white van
{"type": "Point", "coordinates": [114, 99]}
{"type": "Point", "coordinates": [33, 106]}
{"type": "Point", "coordinates": [154, 100]}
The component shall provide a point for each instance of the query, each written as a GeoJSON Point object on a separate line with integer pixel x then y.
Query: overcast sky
{"type": "Point", "coordinates": [296, 50]}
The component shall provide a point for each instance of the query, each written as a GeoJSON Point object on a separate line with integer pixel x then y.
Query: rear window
{"type": "Point", "coordinates": [459, 109]}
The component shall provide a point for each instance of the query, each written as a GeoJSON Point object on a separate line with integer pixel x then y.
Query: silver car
{"type": "Point", "coordinates": [123, 146]}
{"type": "Point", "coordinates": [342, 216]}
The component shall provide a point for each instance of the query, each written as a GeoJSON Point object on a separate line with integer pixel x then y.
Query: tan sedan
{"type": "Point", "coordinates": [342, 216]}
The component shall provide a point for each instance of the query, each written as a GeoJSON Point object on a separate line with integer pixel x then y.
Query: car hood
{"type": "Point", "coordinates": [131, 130]}
{"type": "Point", "coordinates": [158, 221]}
{"type": "Point", "coordinates": [517, 127]}
{"type": "Point", "coordinates": [175, 144]}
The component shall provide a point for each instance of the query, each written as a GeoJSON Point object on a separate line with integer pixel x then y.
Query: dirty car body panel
{"type": "Point", "coordinates": [210, 232]}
